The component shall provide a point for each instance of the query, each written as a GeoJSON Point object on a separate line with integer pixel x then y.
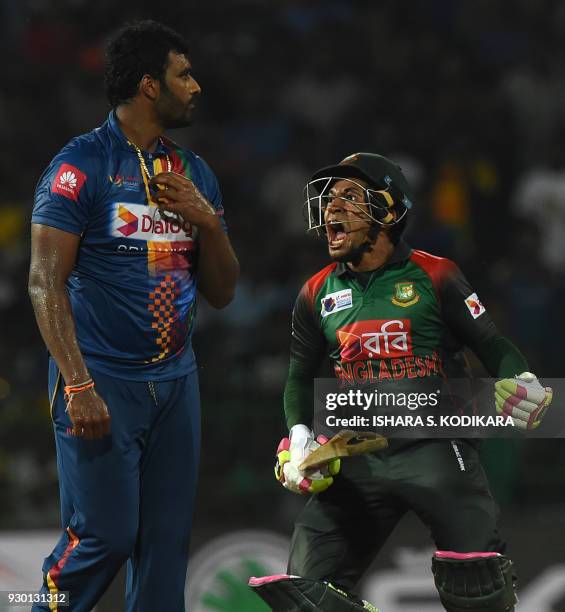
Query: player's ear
{"type": "Point", "coordinates": [149, 87]}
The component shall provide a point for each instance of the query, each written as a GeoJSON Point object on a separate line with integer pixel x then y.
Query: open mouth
{"type": "Point", "coordinates": [336, 234]}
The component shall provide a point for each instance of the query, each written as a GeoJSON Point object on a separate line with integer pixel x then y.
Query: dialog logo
{"type": "Point", "coordinates": [68, 181]}
{"type": "Point", "coordinates": [375, 339]}
{"type": "Point", "coordinates": [130, 220]}
{"type": "Point", "coordinates": [142, 222]}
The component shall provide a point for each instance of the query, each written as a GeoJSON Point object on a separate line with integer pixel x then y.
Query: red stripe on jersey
{"type": "Point", "coordinates": [55, 571]}
{"type": "Point", "coordinates": [437, 268]}
{"type": "Point", "coordinates": [314, 284]}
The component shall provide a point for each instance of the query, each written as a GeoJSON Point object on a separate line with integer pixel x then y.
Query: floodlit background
{"type": "Point", "coordinates": [468, 96]}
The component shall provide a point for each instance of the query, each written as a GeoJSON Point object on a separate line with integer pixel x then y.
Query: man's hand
{"type": "Point", "coordinates": [522, 398]}
{"type": "Point", "coordinates": [291, 452]}
{"type": "Point", "coordinates": [89, 415]}
{"type": "Point", "coordinates": [179, 195]}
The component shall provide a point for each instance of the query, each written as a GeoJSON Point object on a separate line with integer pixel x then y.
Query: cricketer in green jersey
{"type": "Point", "coordinates": [384, 312]}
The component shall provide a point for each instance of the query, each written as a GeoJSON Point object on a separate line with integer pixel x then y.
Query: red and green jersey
{"type": "Point", "coordinates": [409, 319]}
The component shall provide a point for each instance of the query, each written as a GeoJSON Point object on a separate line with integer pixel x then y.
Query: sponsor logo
{"type": "Point", "coordinates": [375, 339]}
{"type": "Point", "coordinates": [129, 248]}
{"type": "Point", "coordinates": [130, 220]}
{"type": "Point", "coordinates": [458, 455]}
{"type": "Point", "coordinates": [218, 572]}
{"type": "Point", "coordinates": [129, 183]}
{"type": "Point", "coordinates": [474, 305]}
{"type": "Point", "coordinates": [328, 304]}
{"type": "Point", "coordinates": [404, 294]}
{"type": "Point", "coordinates": [68, 181]}
{"type": "Point", "coordinates": [334, 302]}
{"type": "Point", "coordinates": [141, 222]}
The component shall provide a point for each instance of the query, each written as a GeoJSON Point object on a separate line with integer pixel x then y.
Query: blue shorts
{"type": "Point", "coordinates": [127, 497]}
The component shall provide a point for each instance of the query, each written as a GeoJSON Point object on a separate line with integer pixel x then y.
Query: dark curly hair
{"type": "Point", "coordinates": [138, 48]}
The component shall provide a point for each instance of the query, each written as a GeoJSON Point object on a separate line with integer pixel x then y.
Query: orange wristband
{"type": "Point", "coordinates": [71, 390]}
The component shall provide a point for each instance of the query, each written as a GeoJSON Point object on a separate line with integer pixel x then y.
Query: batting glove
{"type": "Point", "coordinates": [522, 398]}
{"type": "Point", "coordinates": [290, 454]}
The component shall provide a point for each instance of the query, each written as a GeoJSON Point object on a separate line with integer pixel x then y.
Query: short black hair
{"type": "Point", "coordinates": [138, 48]}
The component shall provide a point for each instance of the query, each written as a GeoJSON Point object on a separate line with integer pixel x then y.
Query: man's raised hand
{"type": "Point", "coordinates": [179, 195]}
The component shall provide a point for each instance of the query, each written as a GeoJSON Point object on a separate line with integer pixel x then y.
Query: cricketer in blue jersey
{"type": "Point", "coordinates": [126, 227]}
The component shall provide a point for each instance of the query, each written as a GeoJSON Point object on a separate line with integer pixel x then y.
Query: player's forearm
{"type": "Point", "coordinates": [501, 358]}
{"type": "Point", "coordinates": [56, 324]}
{"type": "Point", "coordinates": [218, 267]}
{"type": "Point", "coordinates": [299, 394]}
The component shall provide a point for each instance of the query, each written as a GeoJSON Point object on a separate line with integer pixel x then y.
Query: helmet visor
{"type": "Point", "coordinates": [376, 205]}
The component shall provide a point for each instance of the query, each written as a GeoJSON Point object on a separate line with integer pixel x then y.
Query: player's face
{"type": "Point", "coordinates": [179, 93]}
{"type": "Point", "coordinates": [346, 224]}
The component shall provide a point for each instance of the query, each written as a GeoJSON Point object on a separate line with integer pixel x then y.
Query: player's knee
{"type": "Point", "coordinates": [474, 582]}
{"type": "Point", "coordinates": [119, 545]}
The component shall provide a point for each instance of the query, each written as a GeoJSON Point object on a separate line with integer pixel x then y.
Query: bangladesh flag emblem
{"type": "Point", "coordinates": [404, 294]}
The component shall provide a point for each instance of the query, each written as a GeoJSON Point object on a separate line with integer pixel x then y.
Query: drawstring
{"type": "Point", "coordinates": [151, 386]}
{"type": "Point", "coordinates": [55, 390]}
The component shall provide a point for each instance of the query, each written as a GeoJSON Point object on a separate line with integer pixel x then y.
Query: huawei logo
{"type": "Point", "coordinates": [68, 179]}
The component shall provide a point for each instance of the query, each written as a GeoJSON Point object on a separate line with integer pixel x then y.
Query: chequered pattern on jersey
{"type": "Point", "coordinates": [163, 309]}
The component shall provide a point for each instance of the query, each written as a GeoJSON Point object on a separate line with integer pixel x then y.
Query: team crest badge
{"type": "Point", "coordinates": [404, 294]}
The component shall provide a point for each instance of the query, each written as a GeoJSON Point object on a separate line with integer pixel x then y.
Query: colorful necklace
{"type": "Point", "coordinates": [145, 170]}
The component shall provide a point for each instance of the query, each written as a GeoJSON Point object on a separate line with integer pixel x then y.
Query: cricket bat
{"type": "Point", "coordinates": [346, 443]}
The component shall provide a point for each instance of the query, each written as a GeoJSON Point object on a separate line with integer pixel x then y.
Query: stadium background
{"type": "Point", "coordinates": [469, 96]}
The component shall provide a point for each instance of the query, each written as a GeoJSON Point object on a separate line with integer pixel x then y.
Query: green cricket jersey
{"type": "Point", "coordinates": [410, 319]}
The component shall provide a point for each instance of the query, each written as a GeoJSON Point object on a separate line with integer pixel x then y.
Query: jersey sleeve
{"type": "Point", "coordinates": [213, 192]}
{"type": "Point", "coordinates": [469, 321]}
{"type": "Point", "coordinates": [65, 193]}
{"type": "Point", "coordinates": [307, 343]}
{"type": "Point", "coordinates": [307, 350]}
{"type": "Point", "coordinates": [462, 310]}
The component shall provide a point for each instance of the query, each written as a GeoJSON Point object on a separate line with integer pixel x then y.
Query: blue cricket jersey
{"type": "Point", "coordinates": [133, 287]}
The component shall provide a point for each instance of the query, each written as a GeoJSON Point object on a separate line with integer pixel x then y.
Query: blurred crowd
{"type": "Point", "coordinates": [467, 95]}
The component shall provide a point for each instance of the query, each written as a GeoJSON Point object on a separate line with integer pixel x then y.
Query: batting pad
{"type": "Point", "coordinates": [295, 594]}
{"type": "Point", "coordinates": [474, 582]}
